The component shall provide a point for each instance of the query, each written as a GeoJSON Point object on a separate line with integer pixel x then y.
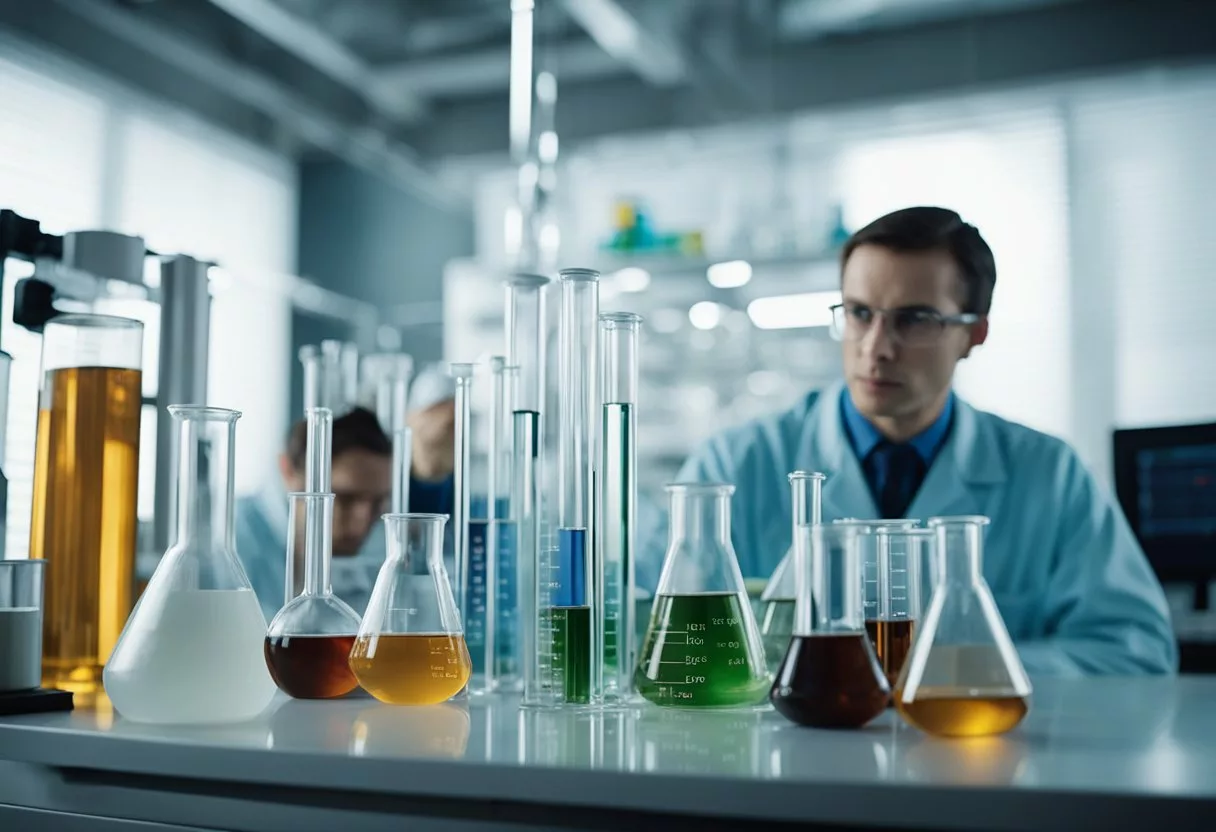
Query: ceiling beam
{"type": "Point", "coordinates": [1028, 46]}
{"type": "Point", "coordinates": [800, 19]}
{"type": "Point", "coordinates": [317, 48]}
{"type": "Point", "coordinates": [366, 147]}
{"type": "Point", "coordinates": [643, 45]}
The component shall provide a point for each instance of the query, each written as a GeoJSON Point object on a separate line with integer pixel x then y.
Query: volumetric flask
{"type": "Point", "coordinates": [86, 471]}
{"type": "Point", "coordinates": [780, 594]}
{"type": "Point", "coordinates": [410, 649]}
{"type": "Point", "coordinates": [702, 648]}
{"type": "Point", "coordinates": [308, 643]}
{"type": "Point", "coordinates": [830, 677]}
{"type": "Point", "coordinates": [899, 554]}
{"type": "Point", "coordinates": [963, 676]}
{"type": "Point", "coordinates": [192, 652]}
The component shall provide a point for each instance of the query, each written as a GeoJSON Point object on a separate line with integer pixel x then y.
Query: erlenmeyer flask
{"type": "Point", "coordinates": [963, 676]}
{"type": "Point", "coordinates": [702, 648]}
{"type": "Point", "coordinates": [411, 649]}
{"type": "Point", "coordinates": [191, 652]}
{"type": "Point", "coordinates": [780, 594]}
{"type": "Point", "coordinates": [308, 643]}
{"type": "Point", "coordinates": [830, 677]}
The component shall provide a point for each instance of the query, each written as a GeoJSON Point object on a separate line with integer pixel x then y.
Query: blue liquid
{"type": "Point", "coordinates": [571, 568]}
{"type": "Point", "coordinates": [506, 648]}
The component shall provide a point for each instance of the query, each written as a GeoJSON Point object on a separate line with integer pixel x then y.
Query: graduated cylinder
{"type": "Point", "coordinates": [617, 491]}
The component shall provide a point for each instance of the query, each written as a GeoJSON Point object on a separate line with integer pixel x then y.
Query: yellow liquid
{"type": "Point", "coordinates": [86, 476]}
{"type": "Point", "coordinates": [957, 716]}
{"type": "Point", "coordinates": [421, 669]}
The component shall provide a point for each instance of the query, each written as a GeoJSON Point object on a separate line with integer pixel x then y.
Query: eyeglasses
{"type": "Point", "coordinates": [911, 326]}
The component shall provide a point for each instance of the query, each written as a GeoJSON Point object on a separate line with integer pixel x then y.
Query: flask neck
{"type": "Point", "coordinates": [700, 518]}
{"type": "Point", "coordinates": [416, 542]}
{"type": "Point", "coordinates": [204, 481]}
{"type": "Point", "coordinates": [960, 551]}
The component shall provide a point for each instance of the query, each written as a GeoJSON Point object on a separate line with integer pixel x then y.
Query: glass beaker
{"type": "Point", "coordinates": [780, 593]}
{"type": "Point", "coordinates": [410, 649]}
{"type": "Point", "coordinates": [830, 677]}
{"type": "Point", "coordinates": [899, 555]}
{"type": "Point", "coordinates": [702, 648]}
{"type": "Point", "coordinates": [963, 677]}
{"type": "Point", "coordinates": [309, 641]}
{"type": "Point", "coordinates": [86, 473]}
{"type": "Point", "coordinates": [192, 652]}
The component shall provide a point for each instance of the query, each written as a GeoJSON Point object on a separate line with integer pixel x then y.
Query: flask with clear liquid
{"type": "Point", "coordinates": [309, 641]}
{"type": "Point", "coordinates": [410, 649]}
{"type": "Point", "coordinates": [702, 648]}
{"type": "Point", "coordinates": [780, 594]}
{"type": "Point", "coordinates": [830, 677]}
{"type": "Point", "coordinates": [963, 677]}
{"type": "Point", "coordinates": [191, 652]}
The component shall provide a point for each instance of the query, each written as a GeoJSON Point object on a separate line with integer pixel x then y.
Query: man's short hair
{"type": "Point", "coordinates": [925, 229]}
{"type": "Point", "coordinates": [357, 430]}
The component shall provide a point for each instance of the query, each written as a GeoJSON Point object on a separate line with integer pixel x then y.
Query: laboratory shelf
{"type": "Point", "coordinates": [1093, 754]}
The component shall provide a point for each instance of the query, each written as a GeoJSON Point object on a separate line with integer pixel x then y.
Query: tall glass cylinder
{"type": "Point", "coordinates": [310, 363]}
{"type": "Point", "coordinates": [318, 475]}
{"type": "Point", "coordinates": [332, 386]}
{"type": "Point", "coordinates": [463, 375]}
{"type": "Point", "coordinates": [574, 635]}
{"type": "Point", "coordinates": [525, 325]}
{"type": "Point", "coordinates": [86, 473]}
{"type": "Point", "coordinates": [779, 597]}
{"type": "Point", "coordinates": [617, 492]}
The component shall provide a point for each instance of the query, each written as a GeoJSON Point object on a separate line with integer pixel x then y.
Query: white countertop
{"type": "Point", "coordinates": [1089, 749]}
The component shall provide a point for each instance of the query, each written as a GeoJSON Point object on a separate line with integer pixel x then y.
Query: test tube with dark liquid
{"type": "Point", "coordinates": [898, 557]}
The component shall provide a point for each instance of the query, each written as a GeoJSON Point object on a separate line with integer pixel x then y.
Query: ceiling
{"type": "Point", "coordinates": [392, 85]}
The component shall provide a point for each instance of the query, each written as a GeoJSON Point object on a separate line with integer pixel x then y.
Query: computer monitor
{"type": "Point", "coordinates": [1165, 478]}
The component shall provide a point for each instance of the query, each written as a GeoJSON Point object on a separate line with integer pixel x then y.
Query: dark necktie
{"type": "Point", "coordinates": [897, 471]}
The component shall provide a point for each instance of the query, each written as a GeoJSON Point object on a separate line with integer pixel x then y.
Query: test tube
{"type": "Point", "coordinates": [575, 637]}
{"type": "Point", "coordinates": [331, 375]}
{"type": "Point", "coordinates": [489, 591]}
{"type": "Point", "coordinates": [508, 656]}
{"type": "Point", "coordinates": [463, 374]}
{"type": "Point", "coordinates": [617, 490]}
{"type": "Point", "coordinates": [310, 359]}
{"type": "Point", "coordinates": [349, 361]}
{"type": "Point", "coordinates": [525, 328]}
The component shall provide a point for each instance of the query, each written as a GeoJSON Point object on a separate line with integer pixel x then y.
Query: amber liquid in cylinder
{"type": "Point", "coordinates": [415, 669]}
{"type": "Point", "coordinates": [947, 715]}
{"type": "Point", "coordinates": [86, 476]}
{"type": "Point", "coordinates": [892, 642]}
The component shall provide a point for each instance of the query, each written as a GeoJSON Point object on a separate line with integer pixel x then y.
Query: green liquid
{"type": "Point", "coordinates": [698, 653]}
{"type": "Point", "coordinates": [572, 652]}
{"type": "Point", "coordinates": [776, 629]}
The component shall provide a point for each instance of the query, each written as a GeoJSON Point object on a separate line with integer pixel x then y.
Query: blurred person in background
{"type": "Point", "coordinates": [362, 485]}
{"type": "Point", "coordinates": [1075, 590]}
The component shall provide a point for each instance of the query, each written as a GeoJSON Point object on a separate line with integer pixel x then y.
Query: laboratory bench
{"type": "Point", "coordinates": [1094, 754]}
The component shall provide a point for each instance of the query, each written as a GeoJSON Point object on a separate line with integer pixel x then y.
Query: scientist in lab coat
{"type": "Point", "coordinates": [361, 480]}
{"type": "Point", "coordinates": [1073, 585]}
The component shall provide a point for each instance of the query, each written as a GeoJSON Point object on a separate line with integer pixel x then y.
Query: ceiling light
{"type": "Point", "coordinates": [729, 275]}
{"type": "Point", "coordinates": [810, 309]}
{"type": "Point", "coordinates": [705, 315]}
{"type": "Point", "coordinates": [631, 279]}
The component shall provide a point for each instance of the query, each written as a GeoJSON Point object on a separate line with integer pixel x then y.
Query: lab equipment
{"type": "Point", "coordinates": [21, 584]}
{"type": "Point", "coordinates": [349, 362]}
{"type": "Point", "coordinates": [900, 556]}
{"type": "Point", "coordinates": [310, 362]}
{"type": "Point", "coordinates": [618, 490]}
{"type": "Point", "coordinates": [192, 650]}
{"type": "Point", "coordinates": [384, 386]}
{"type": "Point", "coordinates": [525, 327]}
{"type": "Point", "coordinates": [469, 537]}
{"type": "Point", "coordinates": [502, 645]}
{"type": "Point", "coordinates": [702, 648]}
{"type": "Point", "coordinates": [333, 385]}
{"type": "Point", "coordinates": [1111, 618]}
{"type": "Point", "coordinates": [830, 677]}
{"type": "Point", "coordinates": [86, 471]}
{"type": "Point", "coordinates": [569, 630]}
{"type": "Point", "coordinates": [6, 366]}
{"type": "Point", "coordinates": [963, 676]}
{"type": "Point", "coordinates": [780, 595]}
{"type": "Point", "coordinates": [308, 642]}
{"type": "Point", "coordinates": [410, 649]}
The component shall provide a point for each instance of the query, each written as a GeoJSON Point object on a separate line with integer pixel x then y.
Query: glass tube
{"type": "Point", "coordinates": [318, 468]}
{"type": "Point", "coordinates": [499, 534]}
{"type": "Point", "coordinates": [508, 657]}
{"type": "Point", "coordinates": [617, 490]}
{"type": "Point", "coordinates": [574, 629]}
{"type": "Point", "coordinates": [310, 359]}
{"type": "Point", "coordinates": [463, 374]}
{"type": "Point", "coordinates": [331, 375]}
{"type": "Point", "coordinates": [403, 455]}
{"type": "Point", "coordinates": [349, 361]}
{"type": "Point", "coordinates": [525, 325]}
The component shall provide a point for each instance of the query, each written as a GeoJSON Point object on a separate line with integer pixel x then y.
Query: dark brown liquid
{"type": "Point", "coordinates": [892, 641]}
{"type": "Point", "coordinates": [311, 667]}
{"type": "Point", "coordinates": [830, 681]}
